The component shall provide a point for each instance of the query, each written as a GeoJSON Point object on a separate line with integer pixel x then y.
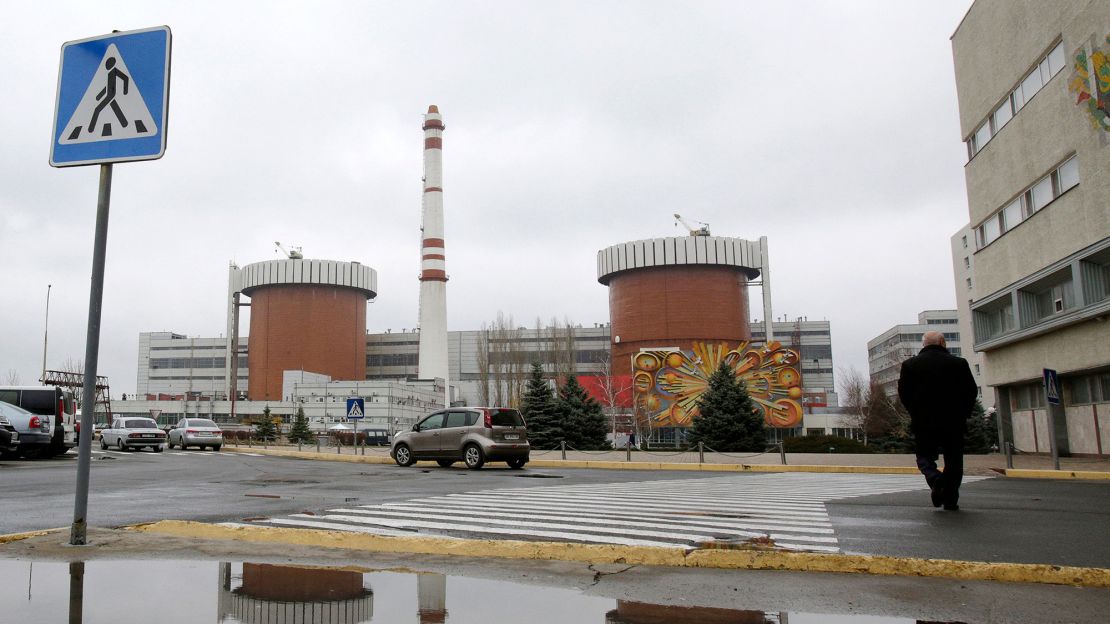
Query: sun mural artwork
{"type": "Point", "coordinates": [668, 384]}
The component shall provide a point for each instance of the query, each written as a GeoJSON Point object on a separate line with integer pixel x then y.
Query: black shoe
{"type": "Point", "coordinates": [937, 495]}
{"type": "Point", "coordinates": [951, 507]}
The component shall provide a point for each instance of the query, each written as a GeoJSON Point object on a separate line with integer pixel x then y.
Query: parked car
{"type": "Point", "coordinates": [9, 438]}
{"type": "Point", "coordinates": [133, 432]}
{"type": "Point", "coordinates": [473, 435]}
{"type": "Point", "coordinates": [199, 432]}
{"type": "Point", "coordinates": [51, 403]}
{"type": "Point", "coordinates": [35, 432]}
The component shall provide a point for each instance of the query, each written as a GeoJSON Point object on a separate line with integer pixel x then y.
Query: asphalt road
{"type": "Point", "coordinates": [1012, 520]}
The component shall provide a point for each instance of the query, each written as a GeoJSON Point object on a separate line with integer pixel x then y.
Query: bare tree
{"type": "Point", "coordinates": [856, 392]}
{"type": "Point", "coordinates": [612, 389]}
{"type": "Point", "coordinates": [483, 366]}
{"type": "Point", "coordinates": [13, 378]}
{"type": "Point", "coordinates": [73, 365]}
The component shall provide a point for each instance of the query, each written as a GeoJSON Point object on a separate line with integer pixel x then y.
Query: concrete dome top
{"type": "Point", "coordinates": [308, 272]}
{"type": "Point", "coordinates": [744, 255]}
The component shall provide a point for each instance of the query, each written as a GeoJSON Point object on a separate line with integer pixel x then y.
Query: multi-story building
{"type": "Point", "coordinates": [887, 351]}
{"type": "Point", "coordinates": [1035, 114]}
{"type": "Point", "coordinates": [963, 263]}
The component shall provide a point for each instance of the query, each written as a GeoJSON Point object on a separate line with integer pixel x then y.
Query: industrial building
{"type": "Point", "coordinates": [887, 351]}
{"type": "Point", "coordinates": [1035, 115]}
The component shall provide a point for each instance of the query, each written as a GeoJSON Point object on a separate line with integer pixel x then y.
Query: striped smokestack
{"type": "Point", "coordinates": [433, 269]}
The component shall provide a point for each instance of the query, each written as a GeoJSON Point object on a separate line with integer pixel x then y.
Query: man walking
{"type": "Point", "coordinates": [939, 391]}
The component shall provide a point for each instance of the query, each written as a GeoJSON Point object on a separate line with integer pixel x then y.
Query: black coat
{"type": "Point", "coordinates": [938, 390]}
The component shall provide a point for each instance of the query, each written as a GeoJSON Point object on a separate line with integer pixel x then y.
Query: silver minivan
{"type": "Point", "coordinates": [473, 435]}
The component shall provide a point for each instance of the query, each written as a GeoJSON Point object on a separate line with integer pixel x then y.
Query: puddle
{"type": "Point", "coordinates": [172, 592]}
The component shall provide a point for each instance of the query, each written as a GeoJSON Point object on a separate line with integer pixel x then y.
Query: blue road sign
{"type": "Point", "coordinates": [1052, 387]}
{"type": "Point", "coordinates": [113, 98]}
{"type": "Point", "coordinates": [355, 409]}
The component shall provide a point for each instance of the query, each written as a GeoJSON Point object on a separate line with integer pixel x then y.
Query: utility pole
{"type": "Point", "coordinates": [45, 334]}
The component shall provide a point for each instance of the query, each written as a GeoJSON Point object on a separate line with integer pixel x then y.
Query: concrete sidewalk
{"type": "Point", "coordinates": [1032, 466]}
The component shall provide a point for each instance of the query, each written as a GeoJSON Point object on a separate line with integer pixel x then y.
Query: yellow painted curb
{"type": "Point", "coordinates": [15, 537]}
{"type": "Point", "coordinates": [604, 553]}
{"type": "Point", "coordinates": [1025, 473]}
{"type": "Point", "coordinates": [602, 464]}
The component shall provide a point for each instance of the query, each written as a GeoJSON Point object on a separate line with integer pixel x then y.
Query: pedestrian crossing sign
{"type": "Point", "coordinates": [113, 98]}
{"type": "Point", "coordinates": [355, 409]}
{"type": "Point", "coordinates": [1052, 386]}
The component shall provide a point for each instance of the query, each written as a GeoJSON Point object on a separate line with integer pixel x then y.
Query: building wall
{"type": "Point", "coordinates": [319, 328]}
{"type": "Point", "coordinates": [963, 265]}
{"type": "Point", "coordinates": [887, 351]}
{"type": "Point", "coordinates": [674, 306]}
{"type": "Point", "coordinates": [1041, 271]}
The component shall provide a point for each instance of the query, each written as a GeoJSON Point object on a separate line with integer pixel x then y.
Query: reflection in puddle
{"type": "Point", "coordinates": [171, 592]}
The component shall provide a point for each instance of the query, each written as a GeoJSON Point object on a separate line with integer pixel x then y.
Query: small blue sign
{"type": "Point", "coordinates": [113, 98]}
{"type": "Point", "coordinates": [1052, 387]}
{"type": "Point", "coordinates": [355, 409]}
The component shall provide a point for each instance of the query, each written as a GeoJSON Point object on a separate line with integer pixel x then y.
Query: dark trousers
{"type": "Point", "coordinates": [929, 448]}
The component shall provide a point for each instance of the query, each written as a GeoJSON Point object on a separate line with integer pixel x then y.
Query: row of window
{"type": "Point", "coordinates": [1080, 390]}
{"type": "Point", "coordinates": [1036, 79]}
{"type": "Point", "coordinates": [197, 362]}
{"type": "Point", "coordinates": [913, 338]}
{"type": "Point", "coordinates": [1029, 201]}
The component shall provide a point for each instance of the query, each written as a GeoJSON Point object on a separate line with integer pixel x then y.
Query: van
{"type": "Point", "coordinates": [53, 404]}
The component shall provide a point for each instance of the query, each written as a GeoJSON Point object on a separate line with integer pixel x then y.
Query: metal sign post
{"type": "Point", "coordinates": [1052, 399]}
{"type": "Point", "coordinates": [355, 412]}
{"type": "Point", "coordinates": [111, 106]}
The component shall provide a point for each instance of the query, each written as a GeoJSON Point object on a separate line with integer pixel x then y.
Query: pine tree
{"type": "Point", "coordinates": [982, 431]}
{"type": "Point", "coordinates": [728, 419]}
{"type": "Point", "coordinates": [538, 408]}
{"type": "Point", "coordinates": [582, 417]}
{"type": "Point", "coordinates": [264, 429]}
{"type": "Point", "coordinates": [300, 431]}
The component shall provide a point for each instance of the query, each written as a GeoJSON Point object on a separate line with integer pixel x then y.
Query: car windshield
{"type": "Point", "coordinates": [199, 422]}
{"type": "Point", "coordinates": [506, 418]}
{"type": "Point", "coordinates": [139, 423]}
{"type": "Point", "coordinates": [42, 402]}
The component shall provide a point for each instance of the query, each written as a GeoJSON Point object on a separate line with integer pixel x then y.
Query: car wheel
{"type": "Point", "coordinates": [103, 444]}
{"type": "Point", "coordinates": [158, 449]}
{"type": "Point", "coordinates": [445, 463]}
{"type": "Point", "coordinates": [119, 445]}
{"type": "Point", "coordinates": [516, 464]}
{"type": "Point", "coordinates": [216, 448]}
{"type": "Point", "coordinates": [183, 447]}
{"type": "Point", "coordinates": [473, 456]}
{"type": "Point", "coordinates": [403, 455]}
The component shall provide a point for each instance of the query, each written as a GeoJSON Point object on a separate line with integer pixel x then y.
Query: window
{"type": "Point", "coordinates": [989, 231]}
{"type": "Point", "coordinates": [968, 280]}
{"type": "Point", "coordinates": [967, 262]}
{"type": "Point", "coordinates": [976, 369]}
{"type": "Point", "coordinates": [435, 421]}
{"type": "Point", "coordinates": [1077, 390]}
{"type": "Point", "coordinates": [1069, 174]}
{"type": "Point", "coordinates": [981, 137]}
{"type": "Point", "coordinates": [1030, 86]}
{"type": "Point", "coordinates": [1011, 214]}
{"type": "Point", "coordinates": [1029, 396]}
{"type": "Point", "coordinates": [955, 351]}
{"type": "Point", "coordinates": [455, 419]}
{"type": "Point", "coordinates": [1002, 115]}
{"type": "Point", "coordinates": [965, 241]}
{"type": "Point", "coordinates": [994, 319]}
{"type": "Point", "coordinates": [1041, 193]}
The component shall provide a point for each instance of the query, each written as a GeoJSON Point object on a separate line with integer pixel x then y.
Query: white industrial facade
{"type": "Point", "coordinates": [887, 351]}
{"type": "Point", "coordinates": [1038, 136]}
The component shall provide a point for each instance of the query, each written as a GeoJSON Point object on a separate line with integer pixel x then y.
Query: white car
{"type": "Point", "coordinates": [133, 432]}
{"type": "Point", "coordinates": [199, 432]}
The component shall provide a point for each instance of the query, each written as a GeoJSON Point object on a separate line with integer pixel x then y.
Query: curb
{"type": "Point", "coordinates": [604, 464]}
{"type": "Point", "coordinates": [677, 557]}
{"type": "Point", "coordinates": [1026, 473]}
{"type": "Point", "coordinates": [16, 537]}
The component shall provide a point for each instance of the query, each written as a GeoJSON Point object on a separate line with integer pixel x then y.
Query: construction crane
{"type": "Point", "coordinates": [294, 253]}
{"type": "Point", "coordinates": [702, 231]}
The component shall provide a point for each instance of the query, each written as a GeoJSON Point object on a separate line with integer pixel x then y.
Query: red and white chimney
{"type": "Point", "coordinates": [432, 361]}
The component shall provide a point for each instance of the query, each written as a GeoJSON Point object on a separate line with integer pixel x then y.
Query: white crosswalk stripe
{"type": "Point", "coordinates": [786, 508]}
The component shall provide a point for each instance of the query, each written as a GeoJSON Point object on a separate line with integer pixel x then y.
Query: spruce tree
{"type": "Point", "coordinates": [300, 431]}
{"type": "Point", "coordinates": [728, 419]}
{"type": "Point", "coordinates": [982, 431]}
{"type": "Point", "coordinates": [264, 429]}
{"type": "Point", "coordinates": [538, 408]}
{"type": "Point", "coordinates": [582, 417]}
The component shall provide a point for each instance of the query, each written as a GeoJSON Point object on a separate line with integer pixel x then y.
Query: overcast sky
{"type": "Point", "coordinates": [829, 127]}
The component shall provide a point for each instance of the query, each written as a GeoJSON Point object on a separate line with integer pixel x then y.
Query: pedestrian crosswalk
{"type": "Point", "coordinates": [142, 453]}
{"type": "Point", "coordinates": [783, 510]}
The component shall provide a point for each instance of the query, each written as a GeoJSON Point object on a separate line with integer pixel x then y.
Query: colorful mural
{"type": "Point", "coordinates": [667, 384]}
{"type": "Point", "coordinates": [1094, 95]}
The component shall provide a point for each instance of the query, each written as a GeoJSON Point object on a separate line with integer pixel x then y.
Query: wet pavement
{"type": "Point", "coordinates": [180, 591]}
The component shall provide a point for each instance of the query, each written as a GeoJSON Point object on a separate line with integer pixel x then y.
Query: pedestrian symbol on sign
{"type": "Point", "coordinates": [110, 89]}
{"type": "Point", "coordinates": [355, 409]}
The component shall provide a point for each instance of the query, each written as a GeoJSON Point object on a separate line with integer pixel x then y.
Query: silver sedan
{"type": "Point", "coordinates": [126, 434]}
{"type": "Point", "coordinates": [199, 432]}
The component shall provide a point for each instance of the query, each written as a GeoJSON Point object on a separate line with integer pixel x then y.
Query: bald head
{"type": "Point", "coordinates": [932, 338]}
